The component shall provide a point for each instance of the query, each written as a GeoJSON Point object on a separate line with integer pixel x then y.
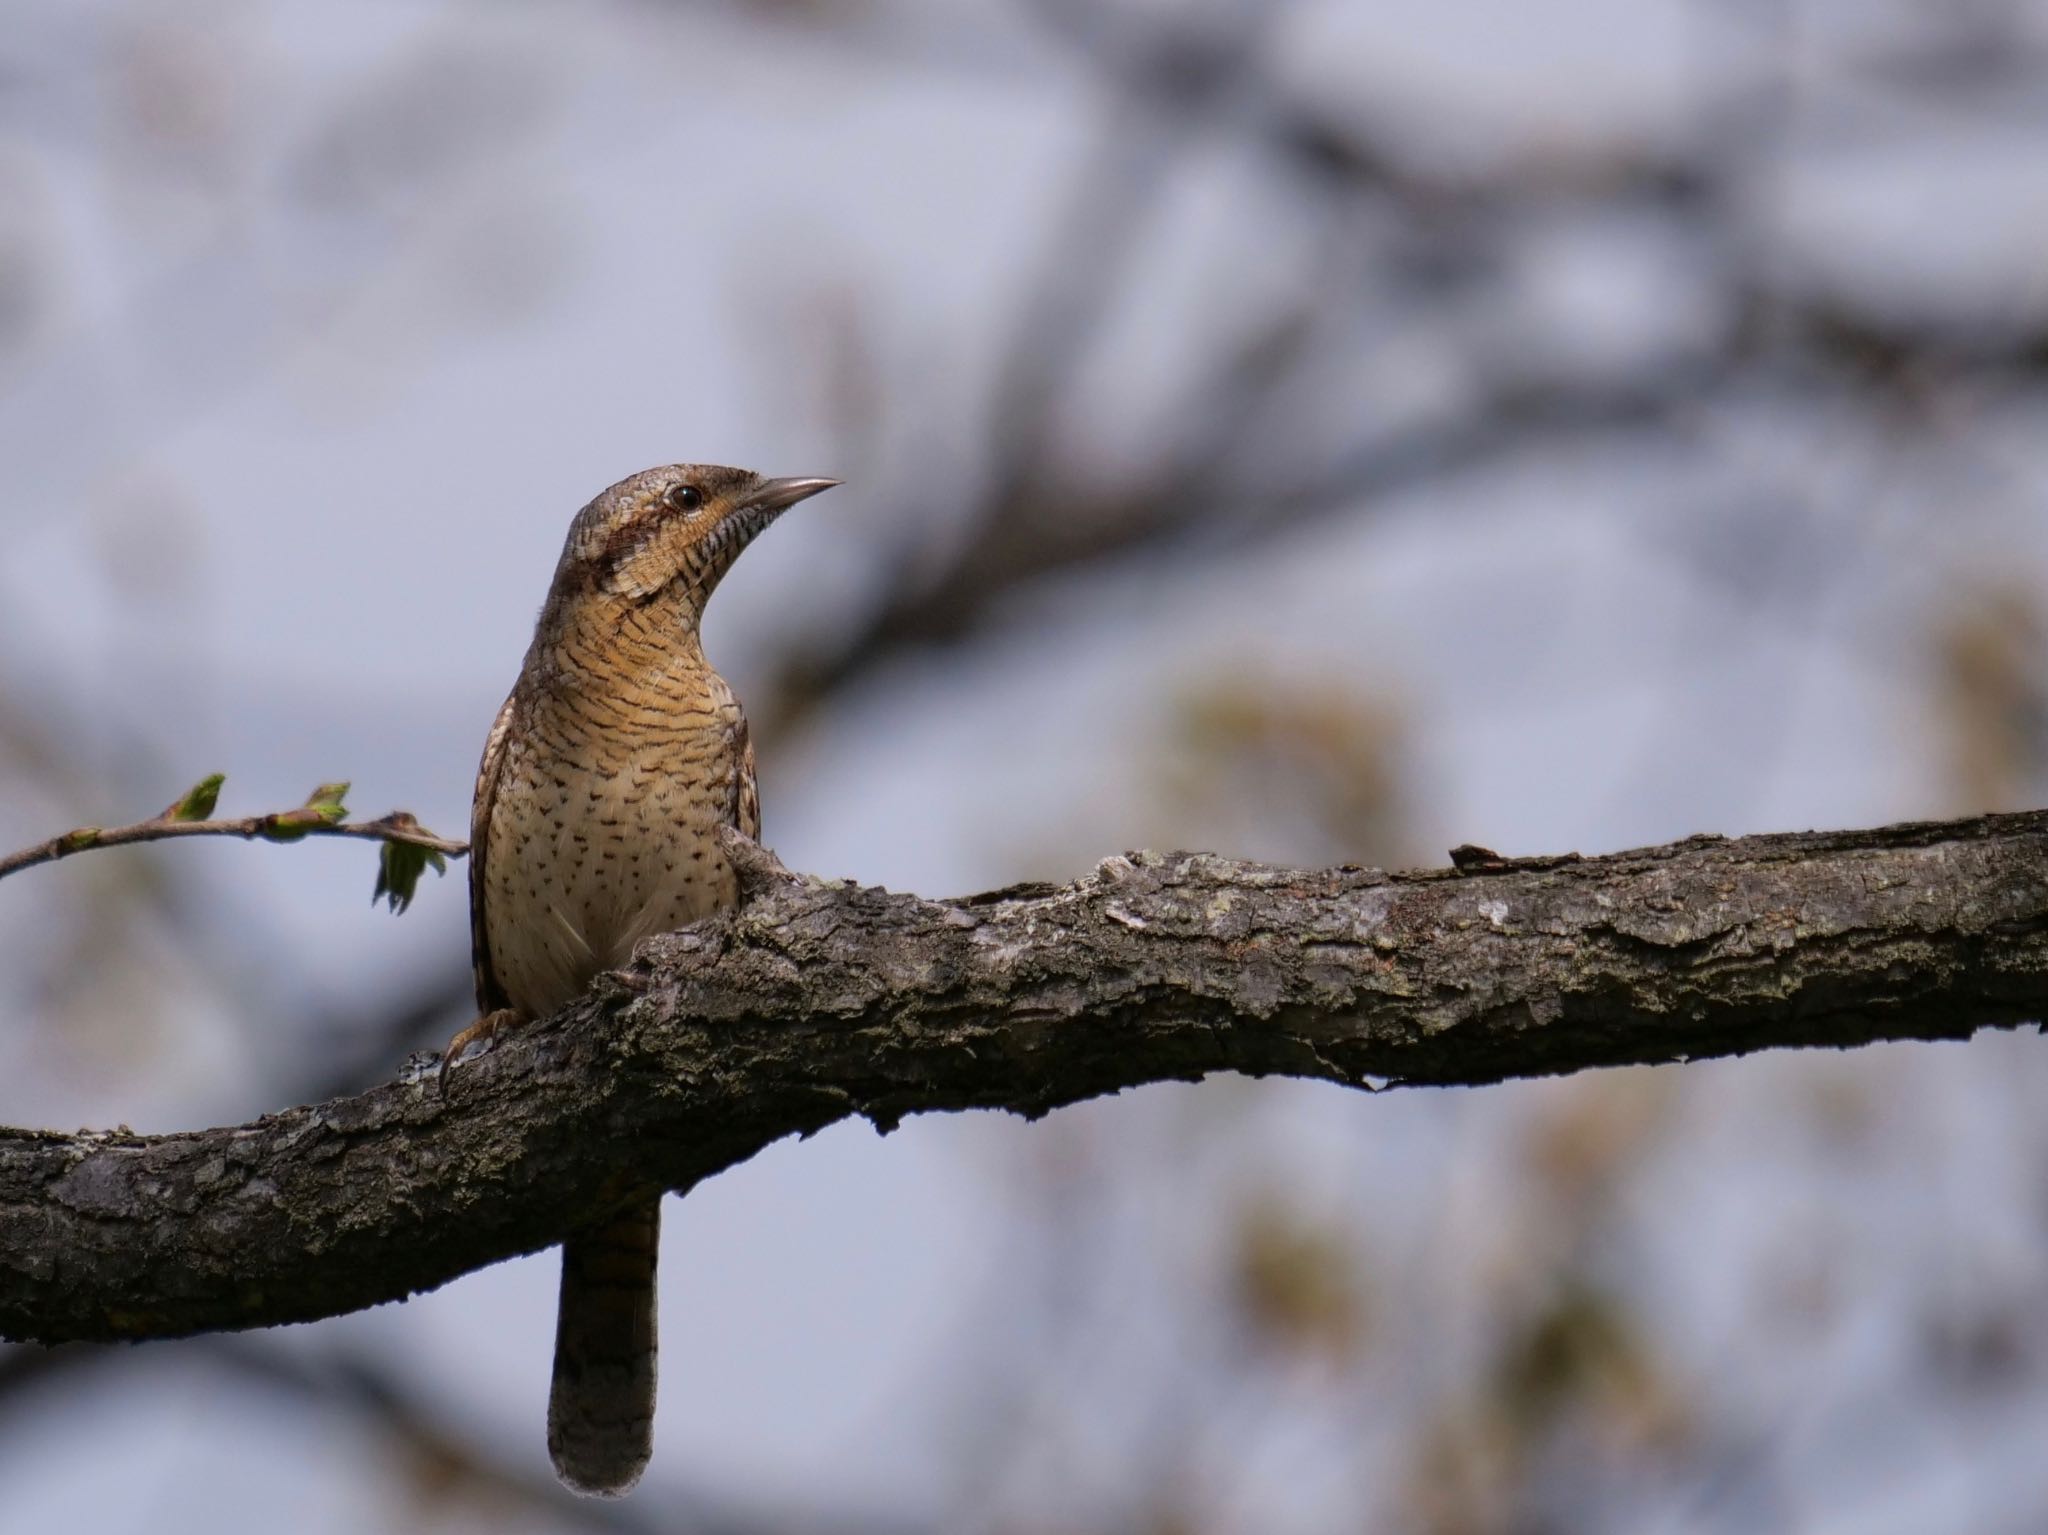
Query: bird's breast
{"type": "Point", "coordinates": [604, 830]}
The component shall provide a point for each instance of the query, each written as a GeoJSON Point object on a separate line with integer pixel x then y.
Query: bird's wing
{"type": "Point", "coordinates": [747, 810]}
{"type": "Point", "coordinates": [490, 994]}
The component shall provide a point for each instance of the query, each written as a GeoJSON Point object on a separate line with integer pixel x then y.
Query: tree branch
{"type": "Point", "coordinates": [278, 826]}
{"type": "Point", "coordinates": [819, 1000]}
{"type": "Point", "coordinates": [408, 848]}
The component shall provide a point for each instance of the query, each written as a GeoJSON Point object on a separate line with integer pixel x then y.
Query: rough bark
{"type": "Point", "coordinates": [818, 1000]}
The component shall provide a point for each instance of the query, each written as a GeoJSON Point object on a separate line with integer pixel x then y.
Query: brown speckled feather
{"type": "Point", "coordinates": [604, 784]}
{"type": "Point", "coordinates": [601, 1397]}
{"type": "Point", "coordinates": [746, 812]}
{"type": "Point", "coordinates": [490, 996]}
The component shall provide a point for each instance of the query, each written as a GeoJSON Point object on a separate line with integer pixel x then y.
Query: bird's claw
{"type": "Point", "coordinates": [484, 1031]}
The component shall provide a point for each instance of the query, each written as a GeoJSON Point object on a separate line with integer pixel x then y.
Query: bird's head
{"type": "Point", "coordinates": [672, 532]}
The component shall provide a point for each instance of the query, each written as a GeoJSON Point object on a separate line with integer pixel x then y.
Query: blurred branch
{"type": "Point", "coordinates": [1173, 79]}
{"type": "Point", "coordinates": [821, 1000]}
{"type": "Point", "coordinates": [1041, 532]}
{"type": "Point", "coordinates": [445, 1467]}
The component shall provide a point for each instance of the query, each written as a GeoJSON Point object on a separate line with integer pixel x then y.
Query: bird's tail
{"type": "Point", "coordinates": [601, 1406]}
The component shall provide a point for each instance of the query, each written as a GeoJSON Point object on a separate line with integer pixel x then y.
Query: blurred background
{"type": "Point", "coordinates": [1311, 431]}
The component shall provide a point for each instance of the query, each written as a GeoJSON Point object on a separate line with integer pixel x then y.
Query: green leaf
{"type": "Point", "coordinates": [327, 801]}
{"type": "Point", "coordinates": [199, 800]}
{"type": "Point", "coordinates": [399, 867]}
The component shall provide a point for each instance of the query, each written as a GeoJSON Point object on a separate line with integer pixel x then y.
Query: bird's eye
{"type": "Point", "coordinates": [683, 498]}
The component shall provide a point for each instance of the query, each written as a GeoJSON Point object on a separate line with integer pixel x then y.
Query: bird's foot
{"type": "Point", "coordinates": [755, 867]}
{"type": "Point", "coordinates": [484, 1031]}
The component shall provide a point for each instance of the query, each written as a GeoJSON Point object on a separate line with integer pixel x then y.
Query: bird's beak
{"type": "Point", "coordinates": [779, 495]}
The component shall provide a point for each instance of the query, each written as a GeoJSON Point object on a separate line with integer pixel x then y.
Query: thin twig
{"type": "Point", "coordinates": [279, 826]}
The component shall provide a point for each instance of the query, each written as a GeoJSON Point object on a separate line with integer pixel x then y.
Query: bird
{"type": "Point", "coordinates": [605, 780]}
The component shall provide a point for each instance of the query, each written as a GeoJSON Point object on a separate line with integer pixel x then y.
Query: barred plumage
{"type": "Point", "coordinates": [604, 781]}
